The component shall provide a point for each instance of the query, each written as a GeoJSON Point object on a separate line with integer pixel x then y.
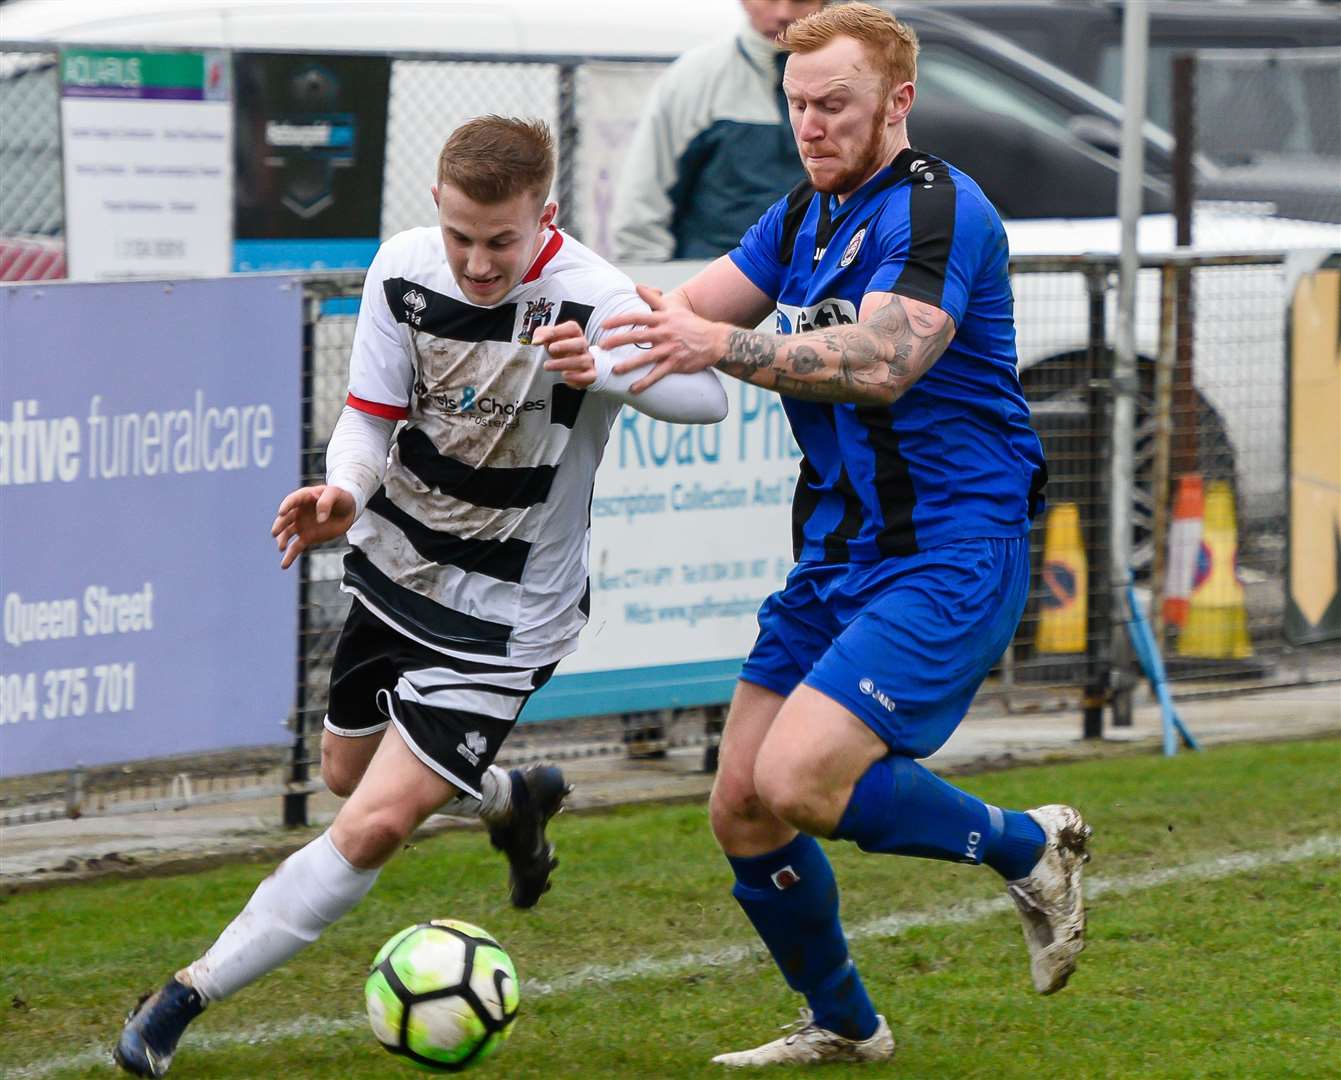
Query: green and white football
{"type": "Point", "coordinates": [442, 994]}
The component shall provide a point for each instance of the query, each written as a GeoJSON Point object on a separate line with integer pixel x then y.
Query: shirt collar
{"type": "Point", "coordinates": [547, 252]}
{"type": "Point", "coordinates": [898, 169]}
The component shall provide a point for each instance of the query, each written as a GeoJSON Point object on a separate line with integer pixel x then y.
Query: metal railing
{"type": "Point", "coordinates": [1211, 403]}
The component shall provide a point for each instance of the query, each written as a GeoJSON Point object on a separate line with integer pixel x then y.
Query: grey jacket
{"type": "Point", "coordinates": [711, 152]}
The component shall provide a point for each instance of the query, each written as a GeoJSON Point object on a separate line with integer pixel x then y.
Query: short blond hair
{"type": "Point", "coordinates": [492, 158]}
{"type": "Point", "coordinates": [892, 46]}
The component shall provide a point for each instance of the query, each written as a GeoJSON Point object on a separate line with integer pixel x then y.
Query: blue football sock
{"type": "Point", "coordinates": [901, 808]}
{"type": "Point", "coordinates": [792, 899]}
{"type": "Point", "coordinates": [1014, 847]}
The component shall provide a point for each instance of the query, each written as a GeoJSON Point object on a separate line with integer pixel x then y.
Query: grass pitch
{"type": "Point", "coordinates": [1213, 948]}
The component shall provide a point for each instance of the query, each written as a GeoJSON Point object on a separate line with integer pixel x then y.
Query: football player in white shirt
{"type": "Point", "coordinates": [469, 545]}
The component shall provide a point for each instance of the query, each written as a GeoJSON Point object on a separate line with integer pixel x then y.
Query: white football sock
{"type": "Point", "coordinates": [288, 911]}
{"type": "Point", "coordinates": [496, 787]}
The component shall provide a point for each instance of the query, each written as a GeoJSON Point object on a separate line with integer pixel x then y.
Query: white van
{"type": "Point", "coordinates": [530, 27]}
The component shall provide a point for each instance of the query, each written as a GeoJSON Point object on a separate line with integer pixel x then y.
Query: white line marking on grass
{"type": "Point", "coordinates": [959, 914]}
{"type": "Point", "coordinates": [652, 968]}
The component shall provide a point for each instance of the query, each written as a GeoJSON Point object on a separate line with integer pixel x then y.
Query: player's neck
{"type": "Point", "coordinates": [541, 239]}
{"type": "Point", "coordinates": [894, 146]}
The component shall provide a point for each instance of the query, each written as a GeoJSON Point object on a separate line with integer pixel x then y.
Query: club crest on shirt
{"type": "Point", "coordinates": [853, 246]}
{"type": "Point", "coordinates": [537, 314]}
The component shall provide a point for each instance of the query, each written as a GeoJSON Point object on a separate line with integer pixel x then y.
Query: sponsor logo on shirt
{"type": "Point", "coordinates": [798, 320]}
{"type": "Point", "coordinates": [486, 409]}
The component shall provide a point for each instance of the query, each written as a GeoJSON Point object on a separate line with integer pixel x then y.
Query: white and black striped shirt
{"type": "Point", "coordinates": [476, 544]}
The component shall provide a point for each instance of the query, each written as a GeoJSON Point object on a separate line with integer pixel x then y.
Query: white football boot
{"type": "Point", "coordinates": [1052, 908]}
{"type": "Point", "coordinates": [810, 1044]}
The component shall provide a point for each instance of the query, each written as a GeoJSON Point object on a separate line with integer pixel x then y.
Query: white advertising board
{"type": "Point", "coordinates": [691, 530]}
{"type": "Point", "coordinates": [147, 144]}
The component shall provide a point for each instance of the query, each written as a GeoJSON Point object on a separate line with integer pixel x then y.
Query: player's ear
{"type": "Point", "coordinates": [547, 214]}
{"type": "Point", "coordinates": [436, 201]}
{"type": "Point", "coordinates": [901, 102]}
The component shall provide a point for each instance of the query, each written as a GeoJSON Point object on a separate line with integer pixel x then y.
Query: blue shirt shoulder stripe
{"type": "Point", "coordinates": [955, 457]}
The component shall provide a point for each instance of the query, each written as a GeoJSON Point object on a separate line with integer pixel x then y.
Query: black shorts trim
{"type": "Point", "coordinates": [453, 714]}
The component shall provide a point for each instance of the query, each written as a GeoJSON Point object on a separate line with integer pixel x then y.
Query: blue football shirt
{"type": "Point", "coordinates": [955, 457]}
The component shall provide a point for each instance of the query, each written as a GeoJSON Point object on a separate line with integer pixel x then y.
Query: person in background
{"type": "Point", "coordinates": [713, 149]}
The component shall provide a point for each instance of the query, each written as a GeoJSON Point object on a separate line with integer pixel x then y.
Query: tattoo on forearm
{"type": "Point", "coordinates": [751, 351]}
{"type": "Point", "coordinates": [805, 360]}
{"type": "Point", "coordinates": [873, 362]}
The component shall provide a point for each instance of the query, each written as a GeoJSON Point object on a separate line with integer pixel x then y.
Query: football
{"type": "Point", "coordinates": [442, 994]}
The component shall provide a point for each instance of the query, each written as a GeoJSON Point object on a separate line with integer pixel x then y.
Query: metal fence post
{"type": "Point", "coordinates": [570, 139]}
{"type": "Point", "coordinates": [1095, 524]}
{"type": "Point", "coordinates": [74, 792]}
{"type": "Point", "coordinates": [1185, 450]}
{"type": "Point", "coordinates": [295, 799]}
{"type": "Point", "coordinates": [1159, 482]}
{"type": "Point", "coordinates": [1121, 480]}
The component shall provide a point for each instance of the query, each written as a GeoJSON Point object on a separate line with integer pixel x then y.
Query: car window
{"type": "Point", "coordinates": [1159, 78]}
{"type": "Point", "coordinates": [948, 74]}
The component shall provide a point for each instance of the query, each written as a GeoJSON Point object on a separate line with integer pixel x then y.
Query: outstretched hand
{"type": "Point", "coordinates": [569, 353]}
{"type": "Point", "coordinates": [311, 516]}
{"type": "Point", "coordinates": [675, 340]}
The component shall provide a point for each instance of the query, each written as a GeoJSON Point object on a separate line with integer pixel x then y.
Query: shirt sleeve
{"type": "Point", "coordinates": [381, 372]}
{"type": "Point", "coordinates": [759, 255]}
{"type": "Point", "coordinates": [356, 455]}
{"type": "Point", "coordinates": [679, 399]}
{"type": "Point", "coordinates": [931, 254]}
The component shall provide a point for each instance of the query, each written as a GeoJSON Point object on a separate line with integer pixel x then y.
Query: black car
{"type": "Point", "coordinates": [1042, 143]}
{"type": "Point", "coordinates": [1269, 125]}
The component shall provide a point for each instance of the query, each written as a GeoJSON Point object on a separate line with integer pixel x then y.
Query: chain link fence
{"type": "Point", "coordinates": [1266, 124]}
{"type": "Point", "coordinates": [32, 209]}
{"type": "Point", "coordinates": [590, 105]}
{"type": "Point", "coordinates": [1211, 402]}
{"type": "Point", "coordinates": [429, 100]}
{"type": "Point", "coordinates": [1209, 447]}
{"type": "Point", "coordinates": [1210, 424]}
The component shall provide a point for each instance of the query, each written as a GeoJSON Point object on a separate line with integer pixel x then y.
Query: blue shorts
{"type": "Point", "coordinates": [903, 644]}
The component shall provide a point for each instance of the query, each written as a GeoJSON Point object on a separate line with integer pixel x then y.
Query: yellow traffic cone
{"type": "Point", "coordinates": [1062, 609]}
{"type": "Point", "coordinates": [1217, 621]}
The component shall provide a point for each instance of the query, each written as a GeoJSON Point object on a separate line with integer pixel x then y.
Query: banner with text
{"type": "Point", "coordinates": [147, 147]}
{"type": "Point", "coordinates": [311, 144]}
{"type": "Point", "coordinates": [147, 432]}
{"type": "Point", "coordinates": [691, 530]}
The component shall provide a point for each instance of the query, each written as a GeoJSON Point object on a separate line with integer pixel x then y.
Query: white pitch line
{"type": "Point", "coordinates": [652, 968]}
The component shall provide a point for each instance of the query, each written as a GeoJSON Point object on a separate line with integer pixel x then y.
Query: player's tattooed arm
{"type": "Point", "coordinates": [873, 362]}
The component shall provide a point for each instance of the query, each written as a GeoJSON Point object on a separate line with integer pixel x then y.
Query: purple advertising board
{"type": "Point", "coordinates": [148, 430]}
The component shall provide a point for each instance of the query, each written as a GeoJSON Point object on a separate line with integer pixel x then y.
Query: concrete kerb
{"type": "Point", "coordinates": [53, 853]}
